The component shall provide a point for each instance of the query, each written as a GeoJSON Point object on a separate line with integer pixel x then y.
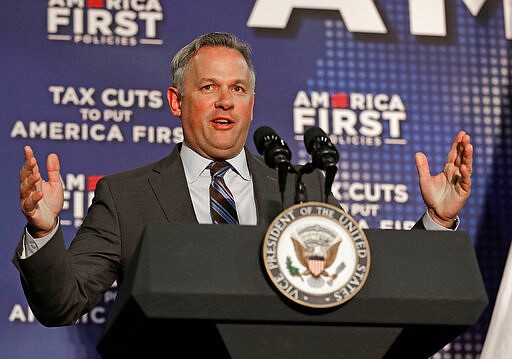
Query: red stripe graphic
{"type": "Point", "coordinates": [92, 181]}
{"type": "Point", "coordinates": [99, 4]}
{"type": "Point", "coordinates": [339, 100]}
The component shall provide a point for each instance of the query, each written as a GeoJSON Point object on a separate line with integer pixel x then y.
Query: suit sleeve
{"type": "Point", "coordinates": [61, 285]}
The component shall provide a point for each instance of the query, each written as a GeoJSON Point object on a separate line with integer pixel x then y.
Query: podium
{"type": "Point", "coordinates": [202, 290]}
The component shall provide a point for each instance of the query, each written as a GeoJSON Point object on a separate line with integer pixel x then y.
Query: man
{"type": "Point", "coordinates": [213, 95]}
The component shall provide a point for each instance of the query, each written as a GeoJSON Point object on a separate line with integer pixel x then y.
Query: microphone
{"type": "Point", "coordinates": [324, 155]}
{"type": "Point", "coordinates": [275, 152]}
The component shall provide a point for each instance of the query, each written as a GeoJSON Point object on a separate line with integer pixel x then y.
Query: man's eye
{"type": "Point", "coordinates": [238, 89]}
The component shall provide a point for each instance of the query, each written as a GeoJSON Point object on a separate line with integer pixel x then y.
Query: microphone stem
{"type": "Point", "coordinates": [330, 173]}
{"type": "Point", "coordinates": [282, 172]}
{"type": "Point", "coordinates": [300, 188]}
{"type": "Point", "coordinates": [300, 191]}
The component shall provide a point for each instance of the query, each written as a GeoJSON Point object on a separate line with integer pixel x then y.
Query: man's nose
{"type": "Point", "coordinates": [225, 99]}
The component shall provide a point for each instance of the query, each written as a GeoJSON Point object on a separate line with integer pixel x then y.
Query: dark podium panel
{"type": "Point", "coordinates": [202, 290]}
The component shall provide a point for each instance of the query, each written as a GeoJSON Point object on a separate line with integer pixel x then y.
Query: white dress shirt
{"type": "Point", "coordinates": [238, 179]}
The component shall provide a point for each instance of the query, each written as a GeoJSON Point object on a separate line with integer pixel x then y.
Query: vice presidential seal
{"type": "Point", "coordinates": [316, 255]}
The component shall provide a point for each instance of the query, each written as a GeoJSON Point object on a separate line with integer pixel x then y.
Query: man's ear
{"type": "Point", "coordinates": [174, 99]}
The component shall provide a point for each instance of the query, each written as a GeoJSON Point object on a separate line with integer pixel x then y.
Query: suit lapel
{"type": "Point", "coordinates": [171, 190]}
{"type": "Point", "coordinates": [266, 189]}
{"type": "Point", "coordinates": [170, 187]}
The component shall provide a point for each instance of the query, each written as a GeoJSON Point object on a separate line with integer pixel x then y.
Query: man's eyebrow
{"type": "Point", "coordinates": [212, 79]}
{"type": "Point", "coordinates": [241, 81]}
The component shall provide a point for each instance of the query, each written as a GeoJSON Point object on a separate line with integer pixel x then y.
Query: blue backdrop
{"type": "Point", "coordinates": [87, 79]}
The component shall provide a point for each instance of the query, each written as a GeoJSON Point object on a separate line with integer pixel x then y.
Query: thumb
{"type": "Point", "coordinates": [53, 168]}
{"type": "Point", "coordinates": [422, 165]}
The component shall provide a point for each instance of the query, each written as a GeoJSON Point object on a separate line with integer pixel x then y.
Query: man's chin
{"type": "Point", "coordinates": [224, 151]}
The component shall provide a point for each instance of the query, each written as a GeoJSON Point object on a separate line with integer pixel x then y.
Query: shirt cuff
{"type": "Point", "coordinates": [31, 245]}
{"type": "Point", "coordinates": [430, 225]}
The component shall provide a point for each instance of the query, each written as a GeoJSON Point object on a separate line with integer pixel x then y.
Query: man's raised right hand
{"type": "Point", "coordinates": [40, 201]}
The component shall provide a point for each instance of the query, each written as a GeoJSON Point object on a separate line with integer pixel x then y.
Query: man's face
{"type": "Point", "coordinates": [217, 103]}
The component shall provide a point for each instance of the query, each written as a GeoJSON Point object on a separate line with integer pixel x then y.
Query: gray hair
{"type": "Point", "coordinates": [221, 39]}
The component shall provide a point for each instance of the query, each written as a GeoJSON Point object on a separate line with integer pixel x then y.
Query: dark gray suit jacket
{"type": "Point", "coordinates": [61, 284]}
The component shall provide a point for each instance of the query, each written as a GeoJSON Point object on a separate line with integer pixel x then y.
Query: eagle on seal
{"type": "Point", "coordinates": [316, 258]}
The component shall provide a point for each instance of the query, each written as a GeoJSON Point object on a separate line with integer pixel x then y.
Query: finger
{"type": "Point", "coordinates": [422, 165]}
{"type": "Point", "coordinates": [29, 174]}
{"type": "Point", "coordinates": [30, 162]}
{"type": "Point", "coordinates": [467, 160]}
{"type": "Point", "coordinates": [466, 167]}
{"type": "Point", "coordinates": [30, 169]}
{"type": "Point", "coordinates": [465, 179]}
{"type": "Point", "coordinates": [53, 168]}
{"type": "Point", "coordinates": [29, 184]}
{"type": "Point", "coordinates": [27, 150]}
{"type": "Point", "coordinates": [462, 151]}
{"type": "Point", "coordinates": [29, 204]}
{"type": "Point", "coordinates": [455, 149]}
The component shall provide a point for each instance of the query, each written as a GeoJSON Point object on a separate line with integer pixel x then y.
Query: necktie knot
{"type": "Point", "coordinates": [219, 169]}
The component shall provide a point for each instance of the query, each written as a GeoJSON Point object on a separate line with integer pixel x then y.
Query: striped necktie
{"type": "Point", "coordinates": [222, 203]}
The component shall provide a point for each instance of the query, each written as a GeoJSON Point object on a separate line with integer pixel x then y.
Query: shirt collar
{"type": "Point", "coordinates": [194, 164]}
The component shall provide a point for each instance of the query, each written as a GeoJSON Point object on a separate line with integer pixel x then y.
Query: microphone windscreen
{"type": "Point", "coordinates": [261, 136]}
{"type": "Point", "coordinates": [311, 134]}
